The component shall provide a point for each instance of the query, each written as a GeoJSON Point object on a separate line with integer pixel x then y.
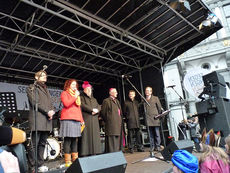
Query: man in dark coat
{"type": "Point", "coordinates": [112, 116]}
{"type": "Point", "coordinates": [43, 121]}
{"type": "Point", "coordinates": [133, 121]}
{"type": "Point", "coordinates": [154, 124]}
{"type": "Point", "coordinates": [90, 140]}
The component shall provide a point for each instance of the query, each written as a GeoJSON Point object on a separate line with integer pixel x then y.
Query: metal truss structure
{"type": "Point", "coordinates": [92, 40]}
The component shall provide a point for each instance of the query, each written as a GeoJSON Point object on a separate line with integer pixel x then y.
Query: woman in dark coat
{"type": "Point", "coordinates": [44, 119]}
{"type": "Point", "coordinates": [90, 142]}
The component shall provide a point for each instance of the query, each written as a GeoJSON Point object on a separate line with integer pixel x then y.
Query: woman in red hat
{"type": "Point", "coordinates": [71, 120]}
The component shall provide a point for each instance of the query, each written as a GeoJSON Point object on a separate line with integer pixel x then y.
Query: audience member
{"type": "Point", "coordinates": [194, 127]}
{"type": "Point", "coordinates": [183, 161]}
{"type": "Point", "coordinates": [227, 146]}
{"type": "Point", "coordinates": [213, 158]}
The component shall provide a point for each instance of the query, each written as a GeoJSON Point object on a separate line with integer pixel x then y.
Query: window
{"type": "Point", "coordinates": [206, 66]}
{"type": "Point", "coordinates": [227, 10]}
{"type": "Point", "coordinates": [227, 13]}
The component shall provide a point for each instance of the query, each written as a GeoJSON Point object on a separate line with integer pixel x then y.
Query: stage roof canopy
{"type": "Point", "coordinates": [94, 40]}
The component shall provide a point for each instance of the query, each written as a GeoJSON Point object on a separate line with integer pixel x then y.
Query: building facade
{"type": "Point", "coordinates": [212, 54]}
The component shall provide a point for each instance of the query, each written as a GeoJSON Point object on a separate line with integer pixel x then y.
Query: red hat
{"type": "Point", "coordinates": [86, 84]}
{"type": "Point", "coordinates": [110, 89]}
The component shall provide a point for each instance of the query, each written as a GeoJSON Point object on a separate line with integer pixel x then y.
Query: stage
{"type": "Point", "coordinates": [143, 166]}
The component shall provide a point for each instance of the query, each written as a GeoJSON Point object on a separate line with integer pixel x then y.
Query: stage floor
{"type": "Point", "coordinates": [144, 164]}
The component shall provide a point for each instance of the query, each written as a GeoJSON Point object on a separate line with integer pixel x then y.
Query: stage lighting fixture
{"type": "Point", "coordinates": [209, 22]}
{"type": "Point", "coordinates": [178, 5]}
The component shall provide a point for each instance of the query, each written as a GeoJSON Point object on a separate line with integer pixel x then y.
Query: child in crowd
{"type": "Point", "coordinates": [194, 126]}
{"type": "Point", "coordinates": [227, 145]}
{"type": "Point", "coordinates": [213, 158]}
{"type": "Point", "coordinates": [183, 161]}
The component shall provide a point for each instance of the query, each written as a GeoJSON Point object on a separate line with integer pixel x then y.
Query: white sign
{"type": "Point", "coordinates": [21, 96]}
{"type": "Point", "coordinates": [193, 81]}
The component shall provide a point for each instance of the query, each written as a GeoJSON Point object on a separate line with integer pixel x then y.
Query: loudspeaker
{"type": "Point", "coordinates": [214, 78]}
{"type": "Point", "coordinates": [177, 145]}
{"type": "Point", "coordinates": [214, 85]}
{"type": "Point", "coordinates": [104, 163]}
{"type": "Point", "coordinates": [220, 121]}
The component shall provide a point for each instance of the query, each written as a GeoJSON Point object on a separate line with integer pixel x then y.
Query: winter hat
{"type": "Point", "coordinates": [86, 84]}
{"type": "Point", "coordinates": [185, 161]}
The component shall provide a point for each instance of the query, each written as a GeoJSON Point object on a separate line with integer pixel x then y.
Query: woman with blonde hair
{"type": "Point", "coordinates": [227, 145]}
{"type": "Point", "coordinates": [213, 158]}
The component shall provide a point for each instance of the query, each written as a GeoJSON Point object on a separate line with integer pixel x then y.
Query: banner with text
{"type": "Point", "coordinates": [21, 96]}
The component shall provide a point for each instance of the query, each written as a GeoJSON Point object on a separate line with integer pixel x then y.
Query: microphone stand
{"type": "Point", "coordinates": [35, 110]}
{"type": "Point", "coordinates": [147, 127]}
{"type": "Point", "coordinates": [181, 99]}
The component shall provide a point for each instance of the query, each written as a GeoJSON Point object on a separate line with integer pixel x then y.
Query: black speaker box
{"type": "Point", "coordinates": [177, 145]}
{"type": "Point", "coordinates": [104, 163]}
{"type": "Point", "coordinates": [214, 78]}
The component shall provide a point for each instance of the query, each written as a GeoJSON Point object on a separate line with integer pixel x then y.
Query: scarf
{"type": "Point", "coordinates": [72, 93]}
{"type": "Point", "coordinates": [43, 85]}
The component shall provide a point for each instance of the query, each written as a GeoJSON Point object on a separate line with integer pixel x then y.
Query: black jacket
{"type": "Point", "coordinates": [131, 113]}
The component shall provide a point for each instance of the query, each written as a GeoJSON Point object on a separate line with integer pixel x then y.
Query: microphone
{"type": "Point", "coordinates": [126, 76]}
{"type": "Point", "coordinates": [11, 136]}
{"type": "Point", "coordinates": [44, 67]}
{"type": "Point", "coordinates": [171, 86]}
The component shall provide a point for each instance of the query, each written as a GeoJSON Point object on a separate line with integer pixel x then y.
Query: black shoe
{"type": "Point", "coordinates": [131, 151]}
{"type": "Point", "coordinates": [140, 150]}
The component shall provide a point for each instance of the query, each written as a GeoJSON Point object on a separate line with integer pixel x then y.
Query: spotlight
{"type": "Point", "coordinates": [178, 5]}
{"type": "Point", "coordinates": [209, 22]}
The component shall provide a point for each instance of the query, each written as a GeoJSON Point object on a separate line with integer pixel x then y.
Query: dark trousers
{"type": "Point", "coordinates": [41, 142]}
{"type": "Point", "coordinates": [155, 139]}
{"type": "Point", "coordinates": [134, 134]}
{"type": "Point", "coordinates": [70, 145]}
{"type": "Point", "coordinates": [112, 143]}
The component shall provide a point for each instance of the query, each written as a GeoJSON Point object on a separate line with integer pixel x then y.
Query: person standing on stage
{"type": "Point", "coordinates": [44, 119]}
{"type": "Point", "coordinates": [154, 124]}
{"type": "Point", "coordinates": [71, 120]}
{"type": "Point", "coordinates": [112, 116]}
{"type": "Point", "coordinates": [131, 112]}
{"type": "Point", "coordinates": [90, 141]}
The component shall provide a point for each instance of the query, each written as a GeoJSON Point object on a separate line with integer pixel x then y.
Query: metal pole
{"type": "Point", "coordinates": [147, 127]}
{"type": "Point", "coordinates": [123, 88]}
